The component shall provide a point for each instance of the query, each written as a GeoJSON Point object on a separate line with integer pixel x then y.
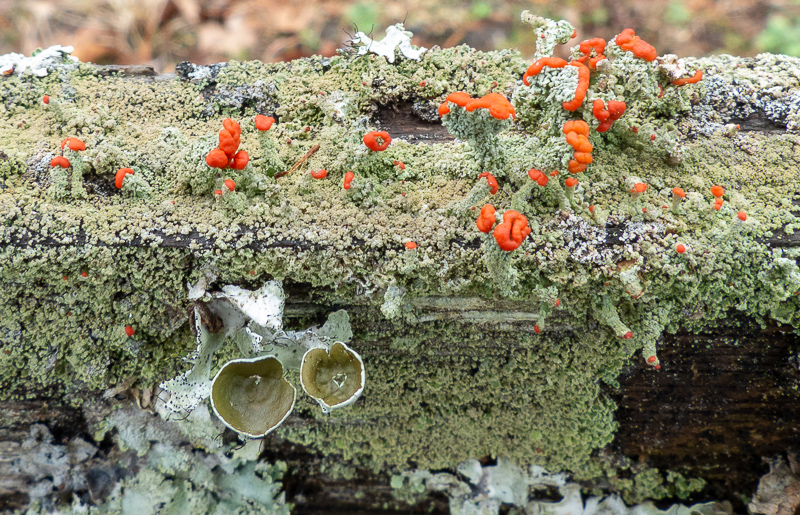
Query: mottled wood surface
{"type": "Point", "coordinates": [719, 404]}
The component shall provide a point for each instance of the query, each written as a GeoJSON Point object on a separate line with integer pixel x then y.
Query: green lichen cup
{"type": "Point", "coordinates": [334, 378]}
{"type": "Point", "coordinates": [251, 396]}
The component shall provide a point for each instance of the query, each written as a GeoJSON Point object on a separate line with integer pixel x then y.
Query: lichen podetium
{"type": "Point", "coordinates": [457, 370]}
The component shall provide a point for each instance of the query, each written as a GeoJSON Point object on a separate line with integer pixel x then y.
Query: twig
{"type": "Point", "coordinates": [299, 162]}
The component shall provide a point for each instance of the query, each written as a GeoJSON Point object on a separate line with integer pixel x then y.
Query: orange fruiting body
{"type": "Point", "coordinates": [499, 107]}
{"type": "Point", "coordinates": [581, 89]}
{"type": "Point", "coordinates": [230, 184]}
{"type": "Point", "coordinates": [225, 154]}
{"type": "Point", "coordinates": [119, 178]}
{"type": "Point", "coordinates": [240, 160]}
{"type": "Point", "coordinates": [698, 74]}
{"type": "Point", "coordinates": [217, 159]}
{"type": "Point", "coordinates": [536, 67]}
{"type": "Point", "coordinates": [577, 132]}
{"type": "Point", "coordinates": [628, 40]}
{"type": "Point", "coordinates": [371, 140]}
{"type": "Point", "coordinates": [348, 178]}
{"type": "Point", "coordinates": [459, 98]}
{"type": "Point", "coordinates": [61, 161]}
{"type": "Point", "coordinates": [263, 123]}
{"type": "Point", "coordinates": [510, 233]}
{"type": "Point", "coordinates": [73, 144]}
{"type": "Point", "coordinates": [493, 185]}
{"type": "Point", "coordinates": [607, 116]}
{"type": "Point", "coordinates": [586, 47]}
{"type": "Point", "coordinates": [486, 219]}
{"type": "Point", "coordinates": [227, 143]}
{"type": "Point", "coordinates": [537, 175]}
{"type": "Point", "coordinates": [411, 245]}
{"type": "Point", "coordinates": [319, 174]}
{"type": "Point", "coordinates": [229, 137]}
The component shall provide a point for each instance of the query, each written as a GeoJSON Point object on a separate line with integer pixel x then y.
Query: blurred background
{"type": "Point", "coordinates": [162, 33]}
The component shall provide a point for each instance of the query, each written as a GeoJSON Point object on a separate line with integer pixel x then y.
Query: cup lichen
{"type": "Point", "coordinates": [334, 378]}
{"type": "Point", "coordinates": [251, 396]}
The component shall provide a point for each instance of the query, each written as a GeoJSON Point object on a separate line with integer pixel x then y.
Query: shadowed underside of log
{"type": "Point", "coordinates": [719, 404]}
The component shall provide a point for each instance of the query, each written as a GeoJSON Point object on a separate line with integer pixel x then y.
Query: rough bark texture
{"type": "Point", "coordinates": [470, 352]}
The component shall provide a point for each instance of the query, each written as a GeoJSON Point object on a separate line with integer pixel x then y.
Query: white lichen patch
{"type": "Point", "coordinates": [263, 306]}
{"type": "Point", "coordinates": [589, 243]}
{"type": "Point", "coordinates": [185, 391]}
{"type": "Point", "coordinates": [482, 490]}
{"type": "Point", "coordinates": [584, 241]}
{"type": "Point", "coordinates": [39, 63]}
{"type": "Point", "coordinates": [397, 38]}
{"type": "Point", "coordinates": [393, 301]}
{"type": "Point", "coordinates": [235, 306]}
{"type": "Point", "coordinates": [197, 290]}
{"type": "Point", "coordinates": [672, 66]}
{"type": "Point", "coordinates": [744, 87]}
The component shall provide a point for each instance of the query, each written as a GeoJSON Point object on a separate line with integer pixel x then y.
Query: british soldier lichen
{"type": "Point", "coordinates": [610, 258]}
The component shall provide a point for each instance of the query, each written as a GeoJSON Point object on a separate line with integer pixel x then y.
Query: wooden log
{"type": "Point", "coordinates": [471, 352]}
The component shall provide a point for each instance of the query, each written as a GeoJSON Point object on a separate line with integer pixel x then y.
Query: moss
{"type": "Point", "coordinates": [60, 328]}
{"type": "Point", "coordinates": [492, 393]}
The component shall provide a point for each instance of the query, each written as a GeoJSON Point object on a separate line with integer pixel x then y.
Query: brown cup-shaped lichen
{"type": "Point", "coordinates": [251, 396]}
{"type": "Point", "coordinates": [334, 378]}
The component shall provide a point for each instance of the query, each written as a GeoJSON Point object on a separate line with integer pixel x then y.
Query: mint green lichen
{"type": "Point", "coordinates": [59, 178]}
{"type": "Point", "coordinates": [76, 177]}
{"type": "Point", "coordinates": [485, 489]}
{"type": "Point", "coordinates": [479, 129]}
{"type": "Point", "coordinates": [270, 163]}
{"type": "Point", "coordinates": [136, 186]}
{"type": "Point", "coordinates": [549, 33]}
{"type": "Point", "coordinates": [173, 478]}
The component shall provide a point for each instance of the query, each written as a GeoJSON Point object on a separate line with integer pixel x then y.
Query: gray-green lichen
{"type": "Point", "coordinates": [483, 490]}
{"type": "Point", "coordinates": [160, 468]}
{"type": "Point", "coordinates": [455, 358]}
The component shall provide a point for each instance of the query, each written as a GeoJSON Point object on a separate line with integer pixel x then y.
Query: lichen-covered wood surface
{"type": "Point", "coordinates": [594, 348]}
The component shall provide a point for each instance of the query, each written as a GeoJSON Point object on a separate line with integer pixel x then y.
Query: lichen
{"type": "Point", "coordinates": [456, 369]}
{"type": "Point", "coordinates": [158, 467]}
{"type": "Point", "coordinates": [489, 489]}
